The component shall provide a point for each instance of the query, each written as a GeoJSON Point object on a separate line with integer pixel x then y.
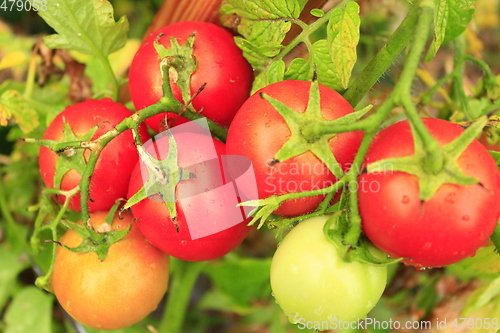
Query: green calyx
{"type": "Point", "coordinates": [364, 251]}
{"type": "Point", "coordinates": [419, 164]}
{"type": "Point", "coordinates": [180, 61]}
{"type": "Point", "coordinates": [98, 242]}
{"type": "Point", "coordinates": [164, 175]}
{"type": "Point", "coordinates": [304, 137]}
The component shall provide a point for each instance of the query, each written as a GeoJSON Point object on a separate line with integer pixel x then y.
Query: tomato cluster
{"type": "Point", "coordinates": [184, 203]}
{"type": "Point", "coordinates": [135, 270]}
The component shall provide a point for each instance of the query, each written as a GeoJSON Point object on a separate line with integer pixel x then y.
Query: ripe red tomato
{"type": "Point", "coordinates": [258, 131]}
{"type": "Point", "coordinates": [117, 292]}
{"type": "Point", "coordinates": [220, 64]}
{"type": "Point", "coordinates": [451, 225]}
{"type": "Point", "coordinates": [110, 178]}
{"type": "Point", "coordinates": [208, 223]}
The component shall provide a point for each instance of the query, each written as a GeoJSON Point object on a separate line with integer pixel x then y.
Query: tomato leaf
{"type": "Point", "coordinates": [13, 106]}
{"type": "Point", "coordinates": [262, 25]}
{"type": "Point", "coordinates": [451, 18]}
{"type": "Point", "coordinates": [342, 39]}
{"type": "Point", "coordinates": [485, 263]}
{"type": "Point", "coordinates": [273, 73]}
{"type": "Point", "coordinates": [11, 267]}
{"type": "Point", "coordinates": [482, 296]}
{"type": "Point", "coordinates": [36, 303]}
{"type": "Point", "coordinates": [88, 27]}
{"type": "Point", "coordinates": [253, 279]}
{"type": "Point", "coordinates": [332, 59]}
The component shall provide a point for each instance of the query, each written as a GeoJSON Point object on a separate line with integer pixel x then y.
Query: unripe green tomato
{"type": "Point", "coordinates": [312, 283]}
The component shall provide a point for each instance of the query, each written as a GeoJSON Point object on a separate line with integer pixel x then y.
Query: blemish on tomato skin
{"type": "Point", "coordinates": [465, 217]}
{"type": "Point", "coordinates": [405, 200]}
{"type": "Point", "coordinates": [451, 198]}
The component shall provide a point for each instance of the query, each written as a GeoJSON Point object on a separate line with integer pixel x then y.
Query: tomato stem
{"type": "Point", "coordinates": [383, 59]}
{"type": "Point", "coordinates": [183, 278]}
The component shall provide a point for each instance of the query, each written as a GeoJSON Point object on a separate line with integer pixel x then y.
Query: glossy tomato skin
{"type": "Point", "coordinates": [110, 179]}
{"type": "Point", "coordinates": [200, 199]}
{"type": "Point", "coordinates": [312, 283]}
{"type": "Point", "coordinates": [117, 292]}
{"type": "Point", "coordinates": [220, 64]}
{"type": "Point", "coordinates": [447, 228]}
{"type": "Point", "coordinates": [258, 132]}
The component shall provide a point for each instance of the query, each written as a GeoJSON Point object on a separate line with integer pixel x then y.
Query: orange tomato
{"type": "Point", "coordinates": [116, 292]}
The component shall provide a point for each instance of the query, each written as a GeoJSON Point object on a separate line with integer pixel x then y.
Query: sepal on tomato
{"type": "Point", "coordinates": [98, 242]}
{"type": "Point", "coordinates": [303, 137]}
{"type": "Point", "coordinates": [364, 251]}
{"type": "Point", "coordinates": [180, 61]}
{"type": "Point", "coordinates": [418, 163]}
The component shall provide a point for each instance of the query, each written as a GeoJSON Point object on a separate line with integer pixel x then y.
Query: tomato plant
{"type": "Point", "coordinates": [259, 132]}
{"type": "Point", "coordinates": [206, 224]}
{"type": "Point", "coordinates": [218, 63]}
{"type": "Point", "coordinates": [309, 277]}
{"type": "Point", "coordinates": [63, 169]}
{"type": "Point", "coordinates": [449, 226]}
{"type": "Point", "coordinates": [358, 118]}
{"type": "Point", "coordinates": [116, 292]}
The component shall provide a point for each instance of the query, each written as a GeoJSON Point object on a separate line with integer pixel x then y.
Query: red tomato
{"type": "Point", "coordinates": [208, 223]}
{"type": "Point", "coordinates": [112, 173]}
{"type": "Point", "coordinates": [258, 132]}
{"type": "Point", "coordinates": [451, 225]}
{"type": "Point", "coordinates": [117, 292]}
{"type": "Point", "coordinates": [220, 64]}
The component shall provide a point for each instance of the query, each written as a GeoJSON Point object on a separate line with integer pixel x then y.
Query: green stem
{"type": "Point", "coordinates": [457, 86]}
{"type": "Point", "coordinates": [183, 278]}
{"type": "Point", "coordinates": [384, 58]}
{"type": "Point", "coordinates": [108, 71]}
{"type": "Point", "coordinates": [402, 91]}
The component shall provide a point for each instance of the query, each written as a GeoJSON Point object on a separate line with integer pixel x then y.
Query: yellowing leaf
{"type": "Point", "coordinates": [14, 107]}
{"type": "Point", "coordinates": [12, 59]}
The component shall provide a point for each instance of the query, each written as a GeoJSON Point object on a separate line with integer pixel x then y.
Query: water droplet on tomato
{"type": "Point", "coordinates": [319, 310]}
{"type": "Point", "coordinates": [293, 317]}
{"type": "Point", "coordinates": [267, 125]}
{"type": "Point", "coordinates": [212, 201]}
{"type": "Point", "coordinates": [406, 199]}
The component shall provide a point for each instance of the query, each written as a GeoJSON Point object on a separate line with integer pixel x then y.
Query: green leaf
{"type": "Point", "coordinates": [10, 267]}
{"type": "Point", "coordinates": [14, 106]}
{"type": "Point", "coordinates": [85, 26]}
{"type": "Point", "coordinates": [482, 296]}
{"type": "Point", "coordinates": [333, 58]}
{"type": "Point", "coordinates": [30, 311]}
{"type": "Point", "coordinates": [342, 39]}
{"type": "Point", "coordinates": [252, 278]}
{"type": "Point", "coordinates": [263, 26]}
{"type": "Point", "coordinates": [274, 73]}
{"type": "Point", "coordinates": [486, 262]}
{"type": "Point", "coordinates": [451, 18]}
{"type": "Point", "coordinates": [316, 12]}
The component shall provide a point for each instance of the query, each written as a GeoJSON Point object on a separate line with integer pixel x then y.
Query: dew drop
{"type": "Point", "coordinates": [267, 125]}
{"type": "Point", "coordinates": [293, 317]}
{"type": "Point", "coordinates": [319, 310]}
{"type": "Point", "coordinates": [212, 201]}
{"type": "Point", "coordinates": [406, 199]}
